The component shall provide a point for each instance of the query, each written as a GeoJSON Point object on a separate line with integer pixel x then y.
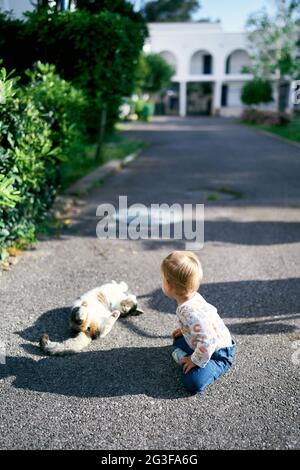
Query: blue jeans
{"type": "Point", "coordinates": [198, 378]}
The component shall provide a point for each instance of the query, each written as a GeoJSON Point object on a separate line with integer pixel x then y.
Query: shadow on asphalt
{"type": "Point", "coordinates": [264, 327]}
{"type": "Point", "coordinates": [117, 372]}
{"type": "Point", "coordinates": [240, 299]}
{"type": "Point", "coordinates": [244, 299]}
{"type": "Point", "coordinates": [147, 370]}
{"type": "Point", "coordinates": [239, 233]}
{"type": "Point", "coordinates": [252, 233]}
{"type": "Point", "coordinates": [56, 323]}
{"type": "Point", "coordinates": [223, 231]}
{"type": "Point", "coordinates": [139, 331]}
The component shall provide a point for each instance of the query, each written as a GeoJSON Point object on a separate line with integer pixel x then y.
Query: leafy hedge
{"type": "Point", "coordinates": [44, 114]}
{"type": "Point", "coordinates": [36, 126]}
{"type": "Point", "coordinates": [97, 52]}
{"type": "Point", "coordinates": [63, 106]}
{"type": "Point", "coordinates": [257, 91]}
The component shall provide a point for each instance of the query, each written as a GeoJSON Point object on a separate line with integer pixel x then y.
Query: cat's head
{"type": "Point", "coordinates": [129, 306]}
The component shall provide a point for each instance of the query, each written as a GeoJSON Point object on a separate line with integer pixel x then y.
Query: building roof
{"type": "Point", "coordinates": [188, 26]}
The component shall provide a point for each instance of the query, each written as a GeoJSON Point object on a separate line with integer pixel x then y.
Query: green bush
{"type": "Point", "coordinates": [8, 195]}
{"type": "Point", "coordinates": [257, 91]}
{"type": "Point", "coordinates": [13, 44]}
{"type": "Point", "coordinates": [62, 105]}
{"type": "Point", "coordinates": [27, 164]}
{"type": "Point", "coordinates": [142, 108]}
{"type": "Point", "coordinates": [36, 131]}
{"type": "Point", "coordinates": [96, 52]}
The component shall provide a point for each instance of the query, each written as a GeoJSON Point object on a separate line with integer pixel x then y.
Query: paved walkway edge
{"type": "Point", "coordinates": [89, 181]}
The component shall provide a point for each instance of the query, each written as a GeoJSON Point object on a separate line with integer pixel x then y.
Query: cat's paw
{"type": "Point", "coordinates": [44, 340]}
{"type": "Point", "coordinates": [116, 314]}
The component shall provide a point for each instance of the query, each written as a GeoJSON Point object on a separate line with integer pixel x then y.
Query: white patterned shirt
{"type": "Point", "coordinates": [202, 328]}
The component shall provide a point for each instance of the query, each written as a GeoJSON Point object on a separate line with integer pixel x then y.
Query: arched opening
{"type": "Point", "coordinates": [201, 63]}
{"type": "Point", "coordinates": [236, 61]}
{"type": "Point", "coordinates": [170, 58]}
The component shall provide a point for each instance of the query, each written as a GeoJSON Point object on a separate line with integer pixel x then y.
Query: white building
{"type": "Point", "coordinates": [208, 66]}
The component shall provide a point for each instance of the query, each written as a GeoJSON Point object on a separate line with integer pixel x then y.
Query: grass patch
{"type": "Point", "coordinates": [212, 197]}
{"type": "Point", "coordinates": [231, 192]}
{"type": "Point", "coordinates": [116, 146]}
{"type": "Point", "coordinates": [289, 131]}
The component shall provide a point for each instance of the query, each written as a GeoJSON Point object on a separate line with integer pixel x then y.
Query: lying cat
{"type": "Point", "coordinates": [93, 315]}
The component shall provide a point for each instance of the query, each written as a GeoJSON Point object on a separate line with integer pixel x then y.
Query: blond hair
{"type": "Point", "coordinates": [183, 271]}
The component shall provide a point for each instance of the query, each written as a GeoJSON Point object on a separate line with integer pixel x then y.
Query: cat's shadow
{"type": "Point", "coordinates": [102, 373]}
{"type": "Point", "coordinates": [55, 322]}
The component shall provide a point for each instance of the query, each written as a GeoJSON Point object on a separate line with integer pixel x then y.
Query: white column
{"type": "Point", "coordinates": [182, 99]}
{"type": "Point", "coordinates": [290, 105]}
{"type": "Point", "coordinates": [217, 97]}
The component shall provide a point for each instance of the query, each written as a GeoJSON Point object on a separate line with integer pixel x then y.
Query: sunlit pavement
{"type": "Point", "coordinates": [125, 392]}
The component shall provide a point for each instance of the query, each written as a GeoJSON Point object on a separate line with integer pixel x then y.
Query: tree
{"type": "Point", "coordinates": [123, 7]}
{"type": "Point", "coordinates": [272, 45]}
{"type": "Point", "coordinates": [40, 3]}
{"type": "Point", "coordinates": [153, 74]}
{"type": "Point", "coordinates": [98, 53]}
{"type": "Point", "coordinates": [170, 10]}
{"type": "Point", "coordinates": [257, 91]}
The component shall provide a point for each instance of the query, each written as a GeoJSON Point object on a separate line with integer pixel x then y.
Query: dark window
{"type": "Point", "coordinates": [207, 62]}
{"type": "Point", "coordinates": [224, 98]}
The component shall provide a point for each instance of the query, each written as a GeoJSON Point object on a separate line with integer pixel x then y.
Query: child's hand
{"type": "Point", "coordinates": [187, 364]}
{"type": "Point", "coordinates": [176, 333]}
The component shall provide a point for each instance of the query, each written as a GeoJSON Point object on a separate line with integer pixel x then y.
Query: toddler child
{"type": "Point", "coordinates": [203, 345]}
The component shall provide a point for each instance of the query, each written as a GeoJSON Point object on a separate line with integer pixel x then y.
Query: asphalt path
{"type": "Point", "coordinates": [125, 392]}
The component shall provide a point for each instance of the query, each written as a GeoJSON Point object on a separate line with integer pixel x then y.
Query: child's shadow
{"type": "Point", "coordinates": [115, 372]}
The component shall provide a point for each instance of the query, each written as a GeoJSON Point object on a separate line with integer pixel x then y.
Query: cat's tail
{"type": "Point", "coordinates": [70, 346]}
